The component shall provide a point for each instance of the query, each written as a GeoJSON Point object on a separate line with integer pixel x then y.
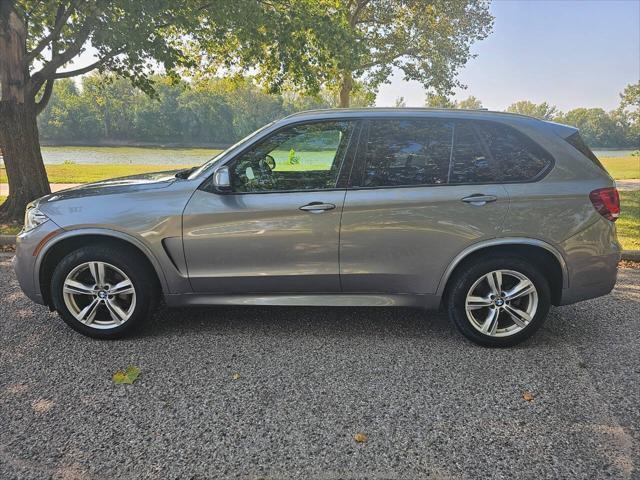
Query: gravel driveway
{"type": "Point", "coordinates": [431, 404]}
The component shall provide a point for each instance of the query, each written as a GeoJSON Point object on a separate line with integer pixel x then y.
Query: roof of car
{"type": "Point", "coordinates": [381, 111]}
{"type": "Point", "coordinates": [478, 114]}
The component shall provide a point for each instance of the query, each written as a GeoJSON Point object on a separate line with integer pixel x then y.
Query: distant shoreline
{"type": "Point", "coordinates": [128, 144]}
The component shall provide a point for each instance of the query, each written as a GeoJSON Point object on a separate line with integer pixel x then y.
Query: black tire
{"type": "Point", "coordinates": [130, 263]}
{"type": "Point", "coordinates": [465, 278]}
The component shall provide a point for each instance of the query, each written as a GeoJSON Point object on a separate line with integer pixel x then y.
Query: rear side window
{"type": "Point", "coordinates": [470, 163]}
{"type": "Point", "coordinates": [517, 157]}
{"type": "Point", "coordinates": [438, 151]}
{"type": "Point", "coordinates": [408, 152]}
{"type": "Point", "coordinates": [576, 141]}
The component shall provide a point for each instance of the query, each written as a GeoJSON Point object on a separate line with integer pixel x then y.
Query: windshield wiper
{"type": "Point", "coordinates": [185, 173]}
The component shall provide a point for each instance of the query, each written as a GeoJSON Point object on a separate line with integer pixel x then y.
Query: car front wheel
{"type": "Point", "coordinates": [499, 301]}
{"type": "Point", "coordinates": [102, 292]}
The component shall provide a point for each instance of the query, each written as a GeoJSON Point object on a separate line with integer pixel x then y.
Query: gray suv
{"type": "Point", "coordinates": [491, 216]}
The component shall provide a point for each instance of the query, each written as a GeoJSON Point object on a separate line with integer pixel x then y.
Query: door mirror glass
{"type": "Point", "coordinates": [221, 179]}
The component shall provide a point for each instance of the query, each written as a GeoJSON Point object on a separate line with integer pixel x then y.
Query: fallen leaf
{"type": "Point", "coordinates": [127, 377]}
{"type": "Point", "coordinates": [360, 437]}
{"type": "Point", "coordinates": [236, 376]}
{"type": "Point", "coordinates": [528, 396]}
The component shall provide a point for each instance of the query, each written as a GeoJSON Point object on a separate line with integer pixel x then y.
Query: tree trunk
{"type": "Point", "coordinates": [345, 89]}
{"type": "Point", "coordinates": [20, 146]}
{"type": "Point", "coordinates": [19, 139]}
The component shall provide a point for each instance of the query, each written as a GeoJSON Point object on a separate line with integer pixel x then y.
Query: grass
{"type": "Point", "coordinates": [76, 173]}
{"type": "Point", "coordinates": [622, 168]}
{"type": "Point", "coordinates": [628, 225]}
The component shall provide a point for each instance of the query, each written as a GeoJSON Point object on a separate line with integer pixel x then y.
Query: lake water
{"type": "Point", "coordinates": [128, 155]}
{"type": "Point", "coordinates": [167, 156]}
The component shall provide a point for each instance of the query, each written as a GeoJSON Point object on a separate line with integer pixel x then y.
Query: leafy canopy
{"type": "Point", "coordinates": [292, 39]}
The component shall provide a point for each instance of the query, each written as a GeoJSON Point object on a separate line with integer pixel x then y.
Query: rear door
{"type": "Point", "coordinates": [423, 189]}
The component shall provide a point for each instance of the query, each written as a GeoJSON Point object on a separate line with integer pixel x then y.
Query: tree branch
{"type": "Point", "coordinates": [62, 15]}
{"type": "Point", "coordinates": [46, 96]}
{"type": "Point", "coordinates": [83, 70]}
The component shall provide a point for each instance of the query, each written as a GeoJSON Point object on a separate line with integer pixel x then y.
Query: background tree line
{"type": "Point", "coordinates": [617, 128]}
{"type": "Point", "coordinates": [219, 111]}
{"type": "Point", "coordinates": [205, 111]}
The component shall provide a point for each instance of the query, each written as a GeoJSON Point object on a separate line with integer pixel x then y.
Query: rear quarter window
{"type": "Point", "coordinates": [517, 158]}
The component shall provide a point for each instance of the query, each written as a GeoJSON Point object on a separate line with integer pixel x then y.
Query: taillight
{"type": "Point", "coordinates": [607, 202]}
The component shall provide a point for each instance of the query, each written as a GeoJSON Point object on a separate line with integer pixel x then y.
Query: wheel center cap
{"type": "Point", "coordinates": [102, 294]}
{"type": "Point", "coordinates": [499, 302]}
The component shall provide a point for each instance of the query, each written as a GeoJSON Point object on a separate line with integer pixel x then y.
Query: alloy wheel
{"type": "Point", "coordinates": [99, 295]}
{"type": "Point", "coordinates": [501, 303]}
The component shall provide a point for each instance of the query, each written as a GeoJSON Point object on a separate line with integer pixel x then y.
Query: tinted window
{"type": "Point", "coordinates": [407, 152]}
{"type": "Point", "coordinates": [469, 162]}
{"type": "Point", "coordinates": [517, 157]}
{"type": "Point", "coordinates": [576, 141]}
{"type": "Point", "coordinates": [301, 157]}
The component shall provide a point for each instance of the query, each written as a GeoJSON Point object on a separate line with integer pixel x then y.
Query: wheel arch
{"type": "Point", "coordinates": [73, 239]}
{"type": "Point", "coordinates": [545, 256]}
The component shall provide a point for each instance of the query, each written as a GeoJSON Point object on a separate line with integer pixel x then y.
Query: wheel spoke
{"type": "Point", "coordinates": [490, 324]}
{"type": "Point", "coordinates": [98, 272]}
{"type": "Point", "coordinates": [474, 303]}
{"type": "Point", "coordinates": [494, 279]}
{"type": "Point", "coordinates": [88, 313]}
{"type": "Point", "coordinates": [519, 317]}
{"type": "Point", "coordinates": [524, 287]}
{"type": "Point", "coordinates": [116, 312]}
{"type": "Point", "coordinates": [77, 288]}
{"type": "Point", "coordinates": [124, 287]}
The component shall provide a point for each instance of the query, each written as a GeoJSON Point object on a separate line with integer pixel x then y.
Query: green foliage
{"type": "Point", "coordinates": [469, 103]}
{"type": "Point", "coordinates": [294, 39]}
{"type": "Point", "coordinates": [206, 110]}
{"type": "Point", "coordinates": [435, 100]}
{"type": "Point", "coordinates": [543, 111]}
{"type": "Point", "coordinates": [427, 40]}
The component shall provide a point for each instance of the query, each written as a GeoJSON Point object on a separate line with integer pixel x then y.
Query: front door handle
{"type": "Point", "coordinates": [317, 207]}
{"type": "Point", "coordinates": [479, 199]}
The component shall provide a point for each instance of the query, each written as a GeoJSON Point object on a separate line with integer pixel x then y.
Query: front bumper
{"type": "Point", "coordinates": [26, 260]}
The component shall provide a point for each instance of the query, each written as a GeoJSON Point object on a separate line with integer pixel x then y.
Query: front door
{"type": "Point", "coordinates": [418, 199]}
{"type": "Point", "coordinates": [277, 231]}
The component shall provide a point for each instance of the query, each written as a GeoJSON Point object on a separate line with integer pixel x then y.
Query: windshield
{"type": "Point", "coordinates": [208, 164]}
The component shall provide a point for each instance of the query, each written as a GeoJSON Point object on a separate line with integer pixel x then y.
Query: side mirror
{"type": "Point", "coordinates": [222, 179]}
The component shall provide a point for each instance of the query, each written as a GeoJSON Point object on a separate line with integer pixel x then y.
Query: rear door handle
{"type": "Point", "coordinates": [479, 199]}
{"type": "Point", "coordinates": [317, 207]}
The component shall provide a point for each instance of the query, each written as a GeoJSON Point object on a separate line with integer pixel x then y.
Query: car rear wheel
{"type": "Point", "coordinates": [102, 292]}
{"type": "Point", "coordinates": [499, 301]}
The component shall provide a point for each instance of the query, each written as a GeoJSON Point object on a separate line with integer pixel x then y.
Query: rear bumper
{"type": "Point", "coordinates": [595, 279]}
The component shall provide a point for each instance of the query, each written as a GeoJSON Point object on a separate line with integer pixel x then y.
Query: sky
{"type": "Point", "coordinates": [570, 53]}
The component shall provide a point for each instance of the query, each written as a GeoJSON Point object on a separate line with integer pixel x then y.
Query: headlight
{"type": "Point", "coordinates": [32, 218]}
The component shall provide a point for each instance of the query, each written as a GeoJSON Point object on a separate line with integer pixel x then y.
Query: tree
{"type": "Point", "coordinates": [470, 103]}
{"type": "Point", "coordinates": [543, 111]}
{"type": "Point", "coordinates": [428, 40]}
{"type": "Point", "coordinates": [596, 126]}
{"type": "Point", "coordinates": [286, 39]}
{"type": "Point", "coordinates": [435, 100]}
{"type": "Point", "coordinates": [629, 114]}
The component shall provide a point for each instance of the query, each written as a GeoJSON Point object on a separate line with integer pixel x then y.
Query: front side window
{"type": "Point", "coordinates": [407, 152]}
{"type": "Point", "coordinates": [300, 157]}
